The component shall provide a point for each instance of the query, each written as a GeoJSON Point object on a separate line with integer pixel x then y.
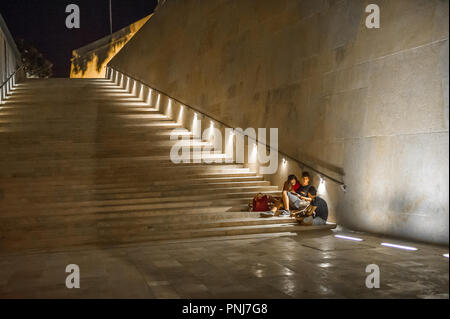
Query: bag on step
{"type": "Point", "coordinates": [261, 203]}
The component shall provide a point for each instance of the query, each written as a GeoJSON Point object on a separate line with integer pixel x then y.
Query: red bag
{"type": "Point", "coordinates": [261, 203]}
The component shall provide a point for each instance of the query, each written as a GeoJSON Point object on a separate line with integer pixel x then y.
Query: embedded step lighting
{"type": "Point", "coordinates": [348, 238]}
{"type": "Point", "coordinates": [399, 246]}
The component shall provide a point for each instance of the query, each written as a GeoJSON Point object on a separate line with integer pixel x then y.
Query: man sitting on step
{"type": "Point", "coordinates": [316, 213]}
{"type": "Point", "coordinates": [305, 184]}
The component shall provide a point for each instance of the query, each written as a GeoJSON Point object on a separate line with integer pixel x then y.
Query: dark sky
{"type": "Point", "coordinates": [41, 23]}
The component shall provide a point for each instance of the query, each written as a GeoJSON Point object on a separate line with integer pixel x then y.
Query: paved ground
{"type": "Point", "coordinates": [310, 265]}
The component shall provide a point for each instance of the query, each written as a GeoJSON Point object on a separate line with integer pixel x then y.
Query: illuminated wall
{"type": "Point", "coordinates": [90, 61]}
{"type": "Point", "coordinates": [371, 104]}
{"type": "Point", "coordinates": [9, 55]}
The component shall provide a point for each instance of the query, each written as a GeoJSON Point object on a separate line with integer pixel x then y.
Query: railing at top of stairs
{"type": "Point", "coordinates": [8, 85]}
{"type": "Point", "coordinates": [11, 59]}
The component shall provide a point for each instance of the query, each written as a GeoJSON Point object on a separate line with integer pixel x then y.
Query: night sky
{"type": "Point", "coordinates": [41, 23]}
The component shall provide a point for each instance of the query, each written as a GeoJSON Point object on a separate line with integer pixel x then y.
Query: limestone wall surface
{"type": "Point", "coordinates": [370, 105]}
{"type": "Point", "coordinates": [10, 58]}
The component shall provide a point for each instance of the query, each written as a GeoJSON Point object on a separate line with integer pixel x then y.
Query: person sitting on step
{"type": "Point", "coordinates": [316, 213]}
{"type": "Point", "coordinates": [305, 184]}
{"type": "Point", "coordinates": [289, 199]}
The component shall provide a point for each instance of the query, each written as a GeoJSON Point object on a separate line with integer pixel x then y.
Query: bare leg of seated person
{"type": "Point", "coordinates": [286, 200]}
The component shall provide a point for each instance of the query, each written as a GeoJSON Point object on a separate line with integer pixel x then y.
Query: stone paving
{"type": "Point", "coordinates": [308, 265]}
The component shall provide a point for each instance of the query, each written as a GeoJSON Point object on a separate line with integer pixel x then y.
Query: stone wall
{"type": "Point", "coordinates": [370, 105]}
{"type": "Point", "coordinates": [10, 58]}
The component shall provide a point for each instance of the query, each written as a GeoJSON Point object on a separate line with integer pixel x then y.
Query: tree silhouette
{"type": "Point", "coordinates": [35, 64]}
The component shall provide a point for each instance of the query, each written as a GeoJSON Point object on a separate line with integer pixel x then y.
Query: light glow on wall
{"type": "Point", "coordinates": [230, 139]}
{"type": "Point", "coordinates": [211, 130]}
{"type": "Point", "coordinates": [158, 101]}
{"type": "Point", "coordinates": [252, 158]}
{"type": "Point", "coordinates": [169, 108]}
{"type": "Point", "coordinates": [194, 123]}
{"type": "Point", "coordinates": [322, 188]}
{"type": "Point", "coordinates": [133, 91]}
{"type": "Point", "coordinates": [127, 87]}
{"type": "Point", "coordinates": [122, 78]}
{"type": "Point", "coordinates": [445, 255]}
{"type": "Point", "coordinates": [141, 93]}
{"type": "Point", "coordinates": [180, 115]}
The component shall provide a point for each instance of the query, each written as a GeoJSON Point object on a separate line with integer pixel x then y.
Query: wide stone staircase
{"type": "Point", "coordinates": [85, 163]}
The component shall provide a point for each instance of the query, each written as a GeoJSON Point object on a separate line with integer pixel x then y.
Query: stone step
{"type": "Point", "coordinates": [99, 169]}
{"type": "Point", "coordinates": [213, 232]}
{"type": "Point", "coordinates": [67, 146]}
{"type": "Point", "coordinates": [160, 155]}
{"type": "Point", "coordinates": [144, 190]}
{"type": "Point", "coordinates": [18, 248]}
{"type": "Point", "coordinates": [65, 196]}
{"type": "Point", "coordinates": [34, 222]}
{"type": "Point", "coordinates": [133, 227]}
{"type": "Point", "coordinates": [92, 160]}
{"type": "Point", "coordinates": [65, 240]}
{"type": "Point", "coordinates": [163, 188]}
{"type": "Point", "coordinates": [51, 205]}
{"type": "Point", "coordinates": [146, 178]}
{"type": "Point", "coordinates": [160, 187]}
{"type": "Point", "coordinates": [100, 131]}
{"type": "Point", "coordinates": [174, 211]}
{"type": "Point", "coordinates": [188, 205]}
{"type": "Point", "coordinates": [15, 247]}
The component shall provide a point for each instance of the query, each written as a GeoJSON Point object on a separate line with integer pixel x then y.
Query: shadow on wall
{"type": "Point", "coordinates": [322, 165]}
{"type": "Point", "coordinates": [90, 61]}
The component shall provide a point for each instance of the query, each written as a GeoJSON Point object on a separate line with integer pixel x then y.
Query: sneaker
{"type": "Point", "coordinates": [267, 214]}
{"type": "Point", "coordinates": [283, 213]}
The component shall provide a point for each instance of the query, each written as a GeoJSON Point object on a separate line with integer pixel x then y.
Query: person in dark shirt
{"type": "Point", "coordinates": [316, 213]}
{"type": "Point", "coordinates": [305, 184]}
